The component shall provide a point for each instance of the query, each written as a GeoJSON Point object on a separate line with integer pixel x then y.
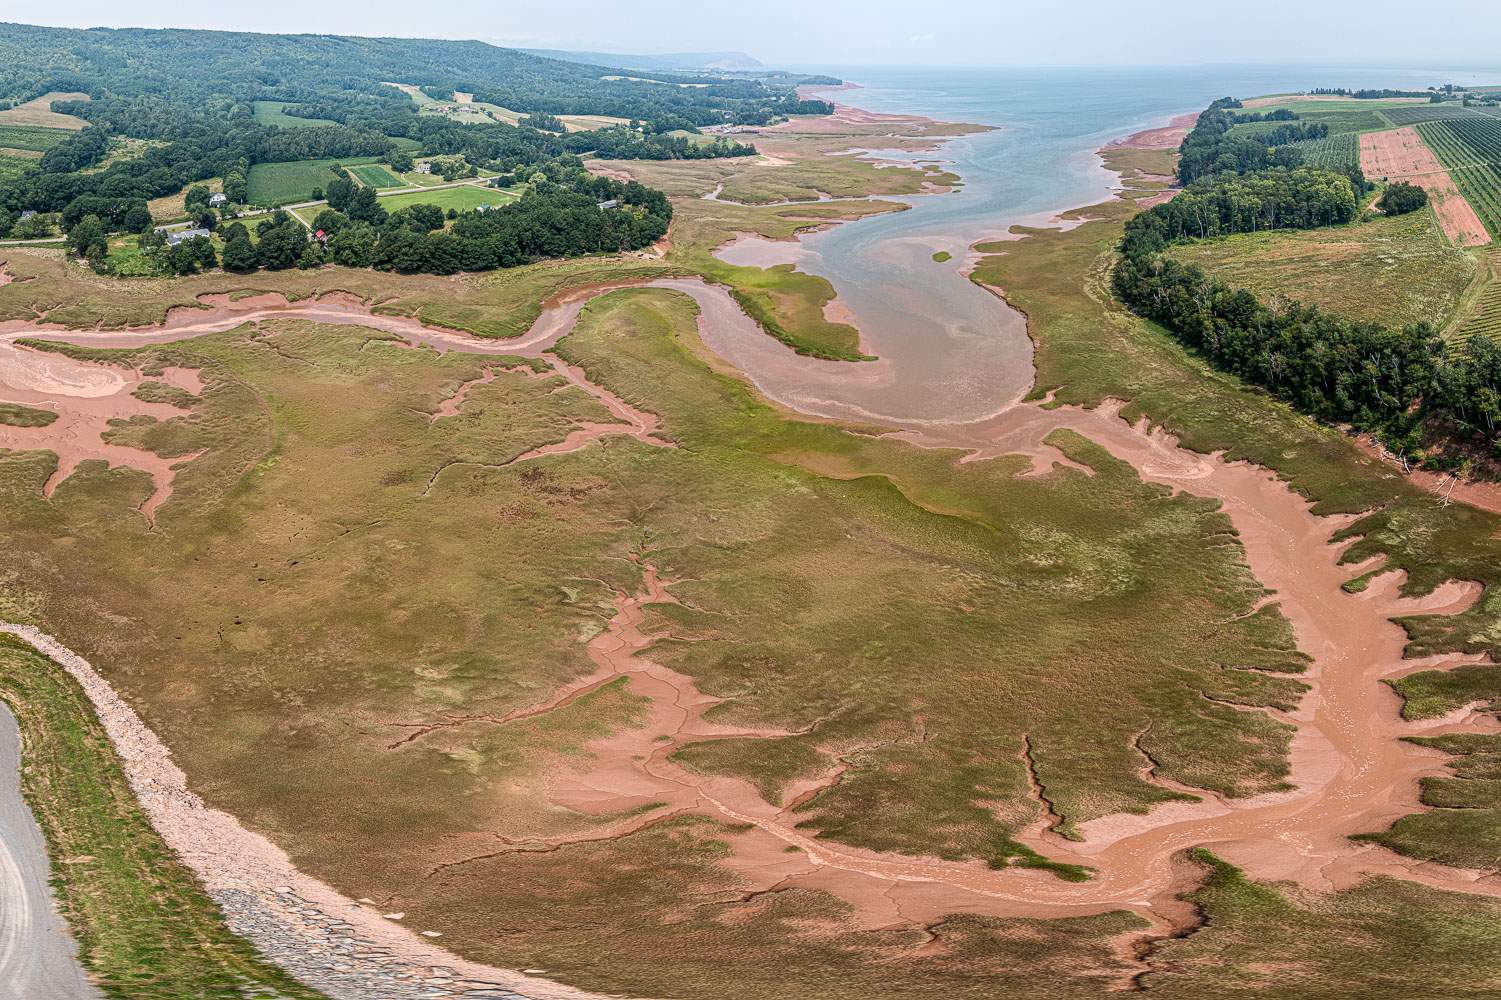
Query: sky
{"type": "Point", "coordinates": [880, 32]}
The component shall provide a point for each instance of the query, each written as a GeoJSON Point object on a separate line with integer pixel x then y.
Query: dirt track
{"type": "Point", "coordinates": [1351, 772]}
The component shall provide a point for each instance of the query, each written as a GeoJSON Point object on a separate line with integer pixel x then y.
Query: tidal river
{"type": "Point", "coordinates": [950, 351]}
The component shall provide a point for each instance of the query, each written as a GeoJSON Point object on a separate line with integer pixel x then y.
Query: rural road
{"type": "Point", "coordinates": [36, 954]}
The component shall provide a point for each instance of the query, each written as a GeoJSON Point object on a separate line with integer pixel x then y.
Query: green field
{"type": "Point", "coordinates": [1487, 310]}
{"type": "Point", "coordinates": [1397, 269]}
{"type": "Point", "coordinates": [1334, 151]}
{"type": "Point", "coordinates": [376, 175]}
{"type": "Point", "coordinates": [270, 113]}
{"type": "Point", "coordinates": [32, 137]}
{"type": "Point", "coordinates": [463, 198]}
{"type": "Point", "coordinates": [283, 183]}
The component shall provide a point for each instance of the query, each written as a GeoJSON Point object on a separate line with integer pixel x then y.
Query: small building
{"type": "Point", "coordinates": [29, 214]}
{"type": "Point", "coordinates": [483, 208]}
{"type": "Point", "coordinates": [217, 199]}
{"type": "Point", "coordinates": [612, 203]}
{"type": "Point", "coordinates": [424, 167]}
{"type": "Point", "coordinates": [185, 234]}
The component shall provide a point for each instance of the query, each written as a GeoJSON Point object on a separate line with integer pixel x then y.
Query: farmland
{"type": "Point", "coordinates": [39, 112]}
{"type": "Point", "coordinates": [462, 199]}
{"type": "Point", "coordinates": [375, 175]}
{"type": "Point", "coordinates": [1487, 317]}
{"type": "Point", "coordinates": [1334, 151]}
{"type": "Point", "coordinates": [35, 138]}
{"type": "Point", "coordinates": [281, 183]}
{"type": "Point", "coordinates": [1471, 149]}
{"type": "Point", "coordinates": [1395, 269]}
{"type": "Point", "coordinates": [271, 113]}
{"type": "Point", "coordinates": [1401, 154]}
{"type": "Point", "coordinates": [1432, 113]}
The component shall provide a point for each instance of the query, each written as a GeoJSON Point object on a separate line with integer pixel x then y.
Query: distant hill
{"type": "Point", "coordinates": [665, 62]}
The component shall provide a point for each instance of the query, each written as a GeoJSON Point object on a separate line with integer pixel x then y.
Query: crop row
{"type": "Point", "coordinates": [1488, 320]}
{"type": "Point", "coordinates": [1481, 187]}
{"type": "Point", "coordinates": [1416, 113]}
{"type": "Point", "coordinates": [1332, 151]}
{"type": "Point", "coordinates": [1464, 141]}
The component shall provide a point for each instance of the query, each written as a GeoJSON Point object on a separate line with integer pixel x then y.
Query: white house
{"type": "Point", "coordinates": [217, 199]}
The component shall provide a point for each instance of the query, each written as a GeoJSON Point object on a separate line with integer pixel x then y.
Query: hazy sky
{"type": "Point", "coordinates": [868, 32]}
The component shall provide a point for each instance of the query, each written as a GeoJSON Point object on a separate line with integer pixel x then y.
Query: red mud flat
{"type": "Point", "coordinates": [86, 397]}
{"type": "Point", "coordinates": [1401, 154]}
{"type": "Point", "coordinates": [1350, 770]}
{"type": "Point", "coordinates": [1169, 136]}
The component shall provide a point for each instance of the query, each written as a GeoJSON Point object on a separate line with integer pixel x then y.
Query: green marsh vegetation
{"type": "Point", "coordinates": [341, 568]}
{"type": "Point", "coordinates": [144, 925]}
{"type": "Point", "coordinates": [17, 415]}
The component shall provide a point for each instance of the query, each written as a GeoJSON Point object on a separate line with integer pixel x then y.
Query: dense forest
{"type": "Point", "coordinates": [219, 73]}
{"type": "Point", "coordinates": [190, 97]}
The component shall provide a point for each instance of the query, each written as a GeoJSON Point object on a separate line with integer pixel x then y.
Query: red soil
{"type": "Point", "coordinates": [1401, 154]}
{"type": "Point", "coordinates": [1169, 136]}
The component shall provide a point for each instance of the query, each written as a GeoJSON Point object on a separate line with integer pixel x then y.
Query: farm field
{"type": "Point", "coordinates": [1434, 113]}
{"type": "Point", "coordinates": [270, 113]}
{"type": "Point", "coordinates": [282, 183]}
{"type": "Point", "coordinates": [31, 138]}
{"type": "Point", "coordinates": [1397, 270]}
{"type": "Point", "coordinates": [1400, 154]}
{"type": "Point", "coordinates": [464, 198]}
{"type": "Point", "coordinates": [1348, 121]}
{"type": "Point", "coordinates": [415, 93]}
{"type": "Point", "coordinates": [1487, 317]}
{"type": "Point", "coordinates": [1471, 149]}
{"type": "Point", "coordinates": [588, 123]}
{"type": "Point", "coordinates": [376, 175]}
{"type": "Point", "coordinates": [39, 112]}
{"type": "Point", "coordinates": [1332, 151]}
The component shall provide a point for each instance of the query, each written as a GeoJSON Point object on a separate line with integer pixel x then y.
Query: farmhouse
{"type": "Point", "coordinates": [424, 167]}
{"type": "Point", "coordinates": [217, 199]}
{"type": "Point", "coordinates": [612, 203]}
{"type": "Point", "coordinates": [29, 214]}
{"type": "Point", "coordinates": [187, 234]}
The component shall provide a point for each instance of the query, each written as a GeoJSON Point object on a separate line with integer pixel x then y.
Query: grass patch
{"type": "Point", "coordinates": [942, 256]}
{"type": "Point", "coordinates": [464, 198]}
{"type": "Point", "coordinates": [283, 183]}
{"type": "Point", "coordinates": [16, 415]}
{"type": "Point", "coordinates": [1398, 270]}
{"type": "Point", "coordinates": [375, 175]}
{"type": "Point", "coordinates": [143, 923]}
{"type": "Point", "coordinates": [38, 112]}
{"type": "Point", "coordinates": [272, 113]}
{"type": "Point", "coordinates": [31, 137]}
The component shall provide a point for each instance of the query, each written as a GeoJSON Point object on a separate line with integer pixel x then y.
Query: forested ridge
{"type": "Point", "coordinates": [219, 73]}
{"type": "Point", "coordinates": [191, 94]}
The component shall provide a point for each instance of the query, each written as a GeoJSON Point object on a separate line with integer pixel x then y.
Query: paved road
{"type": "Point", "coordinates": [36, 954]}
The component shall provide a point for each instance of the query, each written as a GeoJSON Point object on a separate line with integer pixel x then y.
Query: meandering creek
{"type": "Point", "coordinates": [1351, 771]}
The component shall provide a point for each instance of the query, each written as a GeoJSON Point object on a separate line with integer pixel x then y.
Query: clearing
{"type": "Point", "coordinates": [1396, 270]}
{"type": "Point", "coordinates": [1401, 154]}
{"type": "Point", "coordinates": [376, 175]}
{"type": "Point", "coordinates": [294, 181]}
{"type": "Point", "coordinates": [461, 198]}
{"type": "Point", "coordinates": [271, 113]}
{"type": "Point", "coordinates": [39, 112]}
